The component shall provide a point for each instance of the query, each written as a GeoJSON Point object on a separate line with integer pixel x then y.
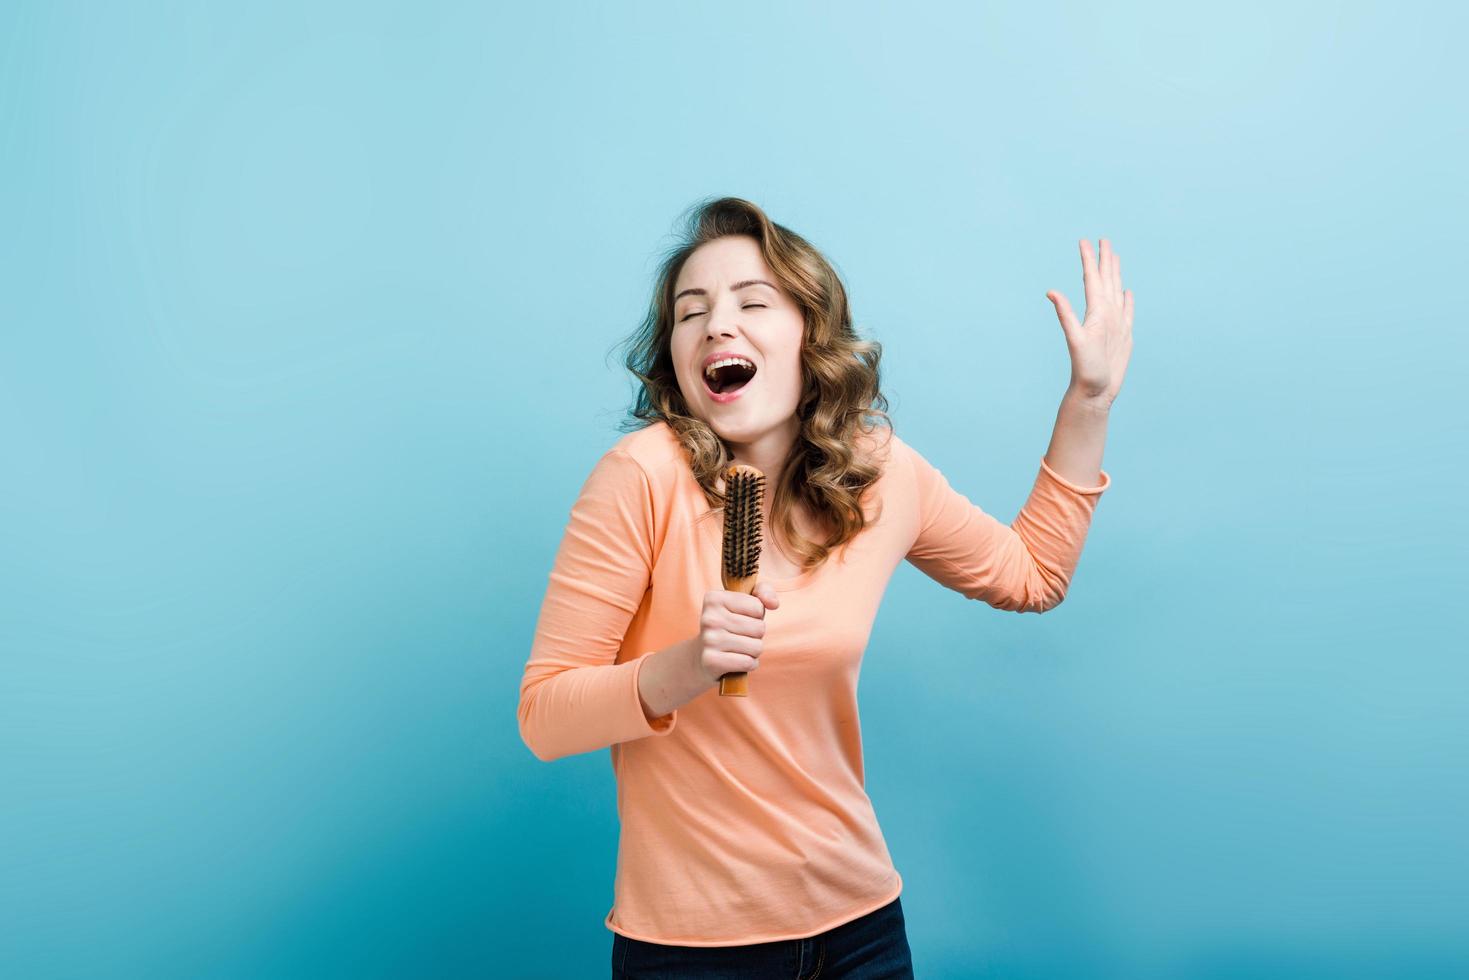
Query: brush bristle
{"type": "Point", "coordinates": [744, 491]}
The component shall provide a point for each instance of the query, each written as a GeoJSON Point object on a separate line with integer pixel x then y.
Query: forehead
{"type": "Point", "coordinates": [724, 260]}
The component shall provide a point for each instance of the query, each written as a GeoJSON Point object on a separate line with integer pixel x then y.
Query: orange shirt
{"type": "Point", "coordinates": [745, 819]}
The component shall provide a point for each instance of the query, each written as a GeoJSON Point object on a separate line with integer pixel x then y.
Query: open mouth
{"type": "Point", "coordinates": [728, 377]}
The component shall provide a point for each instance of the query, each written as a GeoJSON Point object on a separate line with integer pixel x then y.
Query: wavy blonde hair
{"type": "Point", "coordinates": [841, 396]}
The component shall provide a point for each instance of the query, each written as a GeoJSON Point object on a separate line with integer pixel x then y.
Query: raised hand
{"type": "Point", "coordinates": [1101, 343]}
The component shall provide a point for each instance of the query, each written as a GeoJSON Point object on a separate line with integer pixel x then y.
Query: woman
{"type": "Point", "coordinates": [748, 844]}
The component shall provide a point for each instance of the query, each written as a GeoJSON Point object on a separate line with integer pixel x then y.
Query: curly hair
{"type": "Point", "coordinates": [841, 397]}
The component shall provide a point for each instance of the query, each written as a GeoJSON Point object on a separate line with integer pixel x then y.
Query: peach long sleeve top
{"type": "Point", "coordinates": [745, 819]}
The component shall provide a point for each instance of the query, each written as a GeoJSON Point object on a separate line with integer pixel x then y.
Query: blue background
{"type": "Point", "coordinates": [306, 328]}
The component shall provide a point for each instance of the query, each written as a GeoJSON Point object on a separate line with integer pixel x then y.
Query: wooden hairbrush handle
{"type": "Point", "coordinates": [744, 494]}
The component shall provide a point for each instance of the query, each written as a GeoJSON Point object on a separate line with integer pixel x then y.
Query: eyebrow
{"type": "Point", "coordinates": [737, 286]}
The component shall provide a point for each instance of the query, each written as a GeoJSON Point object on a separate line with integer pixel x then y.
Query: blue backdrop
{"type": "Point", "coordinates": [306, 326]}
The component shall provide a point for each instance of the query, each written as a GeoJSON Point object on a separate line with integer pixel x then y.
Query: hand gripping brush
{"type": "Point", "coordinates": [744, 494]}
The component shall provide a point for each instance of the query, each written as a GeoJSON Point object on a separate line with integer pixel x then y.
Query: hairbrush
{"type": "Point", "coordinates": [744, 494]}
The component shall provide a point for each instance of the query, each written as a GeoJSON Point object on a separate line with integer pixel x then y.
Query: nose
{"type": "Point", "coordinates": [721, 324]}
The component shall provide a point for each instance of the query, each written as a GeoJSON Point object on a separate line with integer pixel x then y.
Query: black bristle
{"type": "Point", "coordinates": [744, 492]}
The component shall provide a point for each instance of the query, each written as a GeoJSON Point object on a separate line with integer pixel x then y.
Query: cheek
{"type": "Point", "coordinates": [790, 364]}
{"type": "Point", "coordinates": [792, 378]}
{"type": "Point", "coordinates": [678, 353]}
{"type": "Point", "coordinates": [690, 385]}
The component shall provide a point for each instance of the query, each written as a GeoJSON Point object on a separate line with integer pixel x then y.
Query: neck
{"type": "Point", "coordinates": [768, 454]}
{"type": "Point", "coordinates": [769, 451]}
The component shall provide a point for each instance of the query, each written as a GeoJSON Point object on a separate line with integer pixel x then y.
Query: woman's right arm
{"type": "Point", "coordinates": [574, 697]}
{"type": "Point", "coordinates": [670, 679]}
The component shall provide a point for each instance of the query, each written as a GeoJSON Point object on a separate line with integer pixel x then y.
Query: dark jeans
{"type": "Point", "coordinates": [867, 948]}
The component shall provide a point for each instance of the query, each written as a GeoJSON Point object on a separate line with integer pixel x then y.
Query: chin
{"type": "Point", "coordinates": [741, 434]}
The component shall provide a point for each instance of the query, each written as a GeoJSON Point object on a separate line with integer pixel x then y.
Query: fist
{"type": "Point", "coordinates": [731, 631]}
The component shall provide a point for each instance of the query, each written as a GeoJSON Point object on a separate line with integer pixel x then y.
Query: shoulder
{"type": "Point", "coordinates": [882, 447]}
{"type": "Point", "coordinates": [653, 446]}
{"type": "Point", "coordinates": [905, 471]}
{"type": "Point", "coordinates": [649, 458]}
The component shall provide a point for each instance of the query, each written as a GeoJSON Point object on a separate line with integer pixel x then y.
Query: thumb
{"type": "Point", "coordinates": [767, 595]}
{"type": "Point", "coordinates": [1063, 311]}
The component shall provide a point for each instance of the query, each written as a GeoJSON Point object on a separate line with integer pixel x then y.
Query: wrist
{"type": "Point", "coordinates": [1097, 404]}
{"type": "Point", "coordinates": [671, 678]}
{"type": "Point", "coordinates": [698, 680]}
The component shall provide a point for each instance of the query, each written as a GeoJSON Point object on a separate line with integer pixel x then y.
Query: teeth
{"type": "Point", "coordinates": [716, 365]}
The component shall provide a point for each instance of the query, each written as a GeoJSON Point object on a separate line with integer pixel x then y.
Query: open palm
{"type": "Point", "coordinates": [1101, 343]}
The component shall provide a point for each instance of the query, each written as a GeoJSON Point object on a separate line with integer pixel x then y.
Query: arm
{"type": "Point", "coordinates": [671, 678]}
{"type": "Point", "coordinates": [1100, 347]}
{"type": "Point", "coordinates": [1027, 566]}
{"type": "Point", "coordinates": [1023, 567]}
{"type": "Point", "coordinates": [1075, 452]}
{"type": "Point", "coordinates": [573, 696]}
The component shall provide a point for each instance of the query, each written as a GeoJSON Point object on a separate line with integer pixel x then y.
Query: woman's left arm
{"type": "Point", "coordinates": [1100, 346]}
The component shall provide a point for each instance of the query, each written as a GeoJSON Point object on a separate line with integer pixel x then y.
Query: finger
{"type": "Point", "coordinates": [749, 646]}
{"type": "Point", "coordinates": [1127, 309]}
{"type": "Point", "coordinates": [1063, 311]}
{"type": "Point", "coordinates": [1116, 275]}
{"type": "Point", "coordinates": [746, 605]}
{"type": "Point", "coordinates": [769, 596]}
{"type": "Point", "coordinates": [1090, 277]}
{"type": "Point", "coordinates": [745, 626]}
{"type": "Point", "coordinates": [736, 646]}
{"type": "Point", "coordinates": [1108, 266]}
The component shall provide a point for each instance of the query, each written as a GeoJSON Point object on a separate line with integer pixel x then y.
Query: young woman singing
{"type": "Point", "coordinates": [748, 843]}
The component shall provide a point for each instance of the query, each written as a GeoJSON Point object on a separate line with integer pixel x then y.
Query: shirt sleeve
{"type": "Point", "coordinates": [1023, 567]}
{"type": "Point", "coordinates": [573, 696]}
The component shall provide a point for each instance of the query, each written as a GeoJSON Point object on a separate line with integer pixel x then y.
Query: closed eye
{"type": "Point", "coordinates": [747, 306]}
